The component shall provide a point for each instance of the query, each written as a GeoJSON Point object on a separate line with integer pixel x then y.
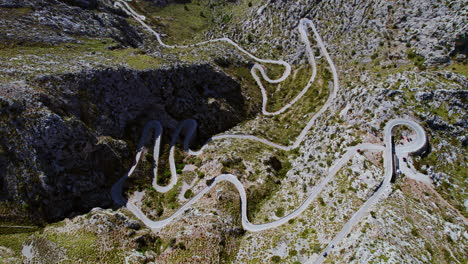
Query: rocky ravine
{"type": "Point", "coordinates": [65, 142]}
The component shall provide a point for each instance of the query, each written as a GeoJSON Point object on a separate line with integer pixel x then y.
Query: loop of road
{"type": "Point", "coordinates": [190, 126]}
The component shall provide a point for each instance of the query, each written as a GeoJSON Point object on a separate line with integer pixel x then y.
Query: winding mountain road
{"type": "Point", "coordinates": [190, 126]}
{"type": "Point", "coordinates": [400, 151]}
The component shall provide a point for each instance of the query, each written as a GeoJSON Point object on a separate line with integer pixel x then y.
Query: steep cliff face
{"type": "Point", "coordinates": [67, 140]}
{"type": "Point", "coordinates": [111, 100]}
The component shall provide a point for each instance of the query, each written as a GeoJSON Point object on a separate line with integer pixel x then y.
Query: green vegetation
{"type": "Point", "coordinates": [93, 51]}
{"type": "Point", "coordinates": [289, 88]}
{"type": "Point", "coordinates": [200, 174]}
{"type": "Point", "coordinates": [316, 248]}
{"type": "Point", "coordinates": [164, 171]}
{"type": "Point", "coordinates": [182, 23]}
{"type": "Point", "coordinates": [279, 212]}
{"type": "Point", "coordinates": [16, 12]}
{"type": "Point", "coordinates": [142, 178]}
{"type": "Point", "coordinates": [460, 68]}
{"type": "Point", "coordinates": [416, 59]}
{"type": "Point", "coordinates": [285, 128]}
{"type": "Point", "coordinates": [414, 232]}
{"type": "Point", "coordinates": [442, 145]}
{"type": "Point", "coordinates": [179, 167]}
{"type": "Point", "coordinates": [156, 245]}
{"type": "Point", "coordinates": [233, 165]}
{"type": "Point", "coordinates": [306, 233]}
{"type": "Point", "coordinates": [139, 61]}
{"type": "Point", "coordinates": [188, 194]}
{"type": "Point", "coordinates": [162, 202]}
{"type": "Point", "coordinates": [259, 194]}
{"type": "Point", "coordinates": [355, 142]}
{"type": "Point", "coordinates": [450, 188]}
{"type": "Point", "coordinates": [15, 228]}
{"type": "Point", "coordinates": [406, 206]}
{"type": "Point", "coordinates": [242, 74]}
{"type": "Point", "coordinates": [276, 259]}
{"type": "Point", "coordinates": [79, 246]}
{"type": "Point", "coordinates": [384, 258]}
{"type": "Point", "coordinates": [275, 71]}
{"type": "Point", "coordinates": [321, 201]}
{"type": "Point", "coordinates": [14, 241]}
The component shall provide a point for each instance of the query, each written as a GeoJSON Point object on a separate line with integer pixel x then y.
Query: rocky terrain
{"type": "Point", "coordinates": [80, 78]}
{"type": "Point", "coordinates": [70, 137]}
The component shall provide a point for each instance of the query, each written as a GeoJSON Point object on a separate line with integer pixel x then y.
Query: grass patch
{"type": "Point", "coordinates": [417, 60]}
{"type": "Point", "coordinates": [5, 230]}
{"type": "Point", "coordinates": [163, 203]}
{"type": "Point", "coordinates": [256, 196]}
{"type": "Point", "coordinates": [459, 67]}
{"type": "Point", "coordinates": [279, 212]}
{"type": "Point", "coordinates": [13, 241]}
{"type": "Point", "coordinates": [78, 246]}
{"type": "Point", "coordinates": [452, 189]}
{"type": "Point", "coordinates": [42, 59]}
{"type": "Point", "coordinates": [289, 89]}
{"type": "Point", "coordinates": [182, 23]}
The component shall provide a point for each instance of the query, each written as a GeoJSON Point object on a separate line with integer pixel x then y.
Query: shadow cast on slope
{"type": "Point", "coordinates": [81, 130]}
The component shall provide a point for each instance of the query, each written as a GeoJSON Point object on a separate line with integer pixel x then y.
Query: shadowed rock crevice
{"type": "Point", "coordinates": [76, 134]}
{"type": "Point", "coordinates": [108, 101]}
{"type": "Point", "coordinates": [162, 3]}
